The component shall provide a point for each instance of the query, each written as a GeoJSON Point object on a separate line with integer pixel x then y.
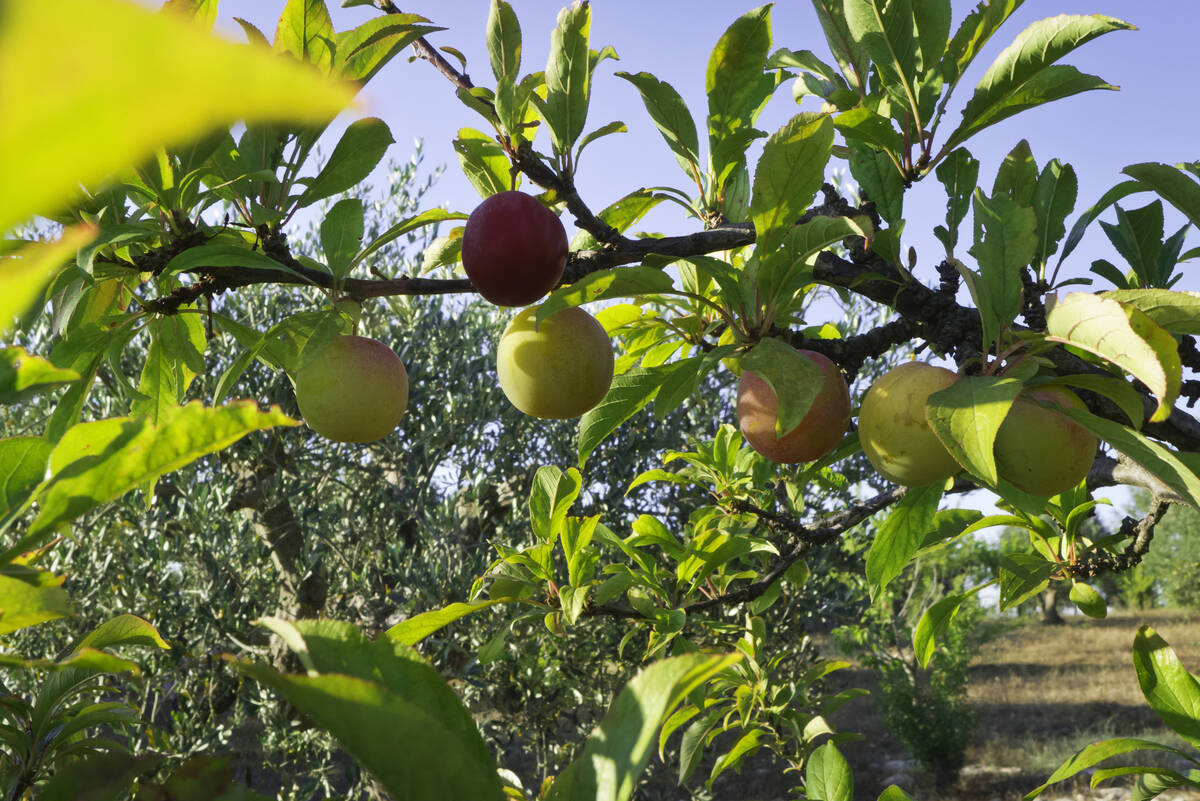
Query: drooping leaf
{"type": "Point", "coordinates": [788, 175]}
{"type": "Point", "coordinates": [966, 416]}
{"type": "Point", "coordinates": [356, 154]}
{"type": "Point", "coordinates": [123, 630]}
{"type": "Point", "coordinates": [616, 752]}
{"type": "Point", "coordinates": [22, 467]}
{"type": "Point", "coordinates": [204, 257]}
{"type": "Point", "coordinates": [900, 535]}
{"type": "Point", "coordinates": [1022, 575]}
{"type": "Point", "coordinates": [1024, 74]}
{"type": "Point", "coordinates": [1088, 600]}
{"type": "Point", "coordinates": [874, 129]}
{"type": "Point", "coordinates": [1123, 335]}
{"type": "Point", "coordinates": [671, 117]}
{"type": "Point", "coordinates": [136, 97]}
{"type": "Point", "coordinates": [935, 622]}
{"type": "Point", "coordinates": [484, 162]}
{"type": "Point", "coordinates": [24, 273]}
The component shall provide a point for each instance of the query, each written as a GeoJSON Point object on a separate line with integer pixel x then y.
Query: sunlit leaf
{"type": "Point", "coordinates": [966, 416]}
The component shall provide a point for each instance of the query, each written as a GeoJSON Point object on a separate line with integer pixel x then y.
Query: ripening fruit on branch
{"type": "Point", "coordinates": [893, 430]}
{"type": "Point", "coordinates": [513, 249]}
{"type": "Point", "coordinates": [558, 370]}
{"type": "Point", "coordinates": [1040, 450]}
{"type": "Point", "coordinates": [819, 431]}
{"type": "Point", "coordinates": [353, 390]}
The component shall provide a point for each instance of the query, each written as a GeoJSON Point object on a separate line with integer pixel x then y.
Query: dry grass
{"type": "Point", "coordinates": [1040, 693]}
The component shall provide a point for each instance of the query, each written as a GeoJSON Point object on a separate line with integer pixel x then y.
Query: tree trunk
{"type": "Point", "coordinates": [1050, 615]}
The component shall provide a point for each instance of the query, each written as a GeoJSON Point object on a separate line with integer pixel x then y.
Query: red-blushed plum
{"type": "Point", "coordinates": [893, 430]}
{"type": "Point", "coordinates": [353, 390]}
{"type": "Point", "coordinates": [513, 249]}
{"type": "Point", "coordinates": [557, 370]}
{"type": "Point", "coordinates": [819, 431]}
{"type": "Point", "coordinates": [1040, 450]}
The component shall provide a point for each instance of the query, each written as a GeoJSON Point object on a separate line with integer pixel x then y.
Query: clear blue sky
{"type": "Point", "coordinates": [1155, 116]}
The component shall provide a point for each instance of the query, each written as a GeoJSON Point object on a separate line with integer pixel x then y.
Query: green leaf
{"type": "Point", "coordinates": [1095, 753]}
{"type": "Point", "coordinates": [733, 83]}
{"type": "Point", "coordinates": [1017, 176]}
{"type": "Point", "coordinates": [873, 129]}
{"type": "Point", "coordinates": [1178, 312]}
{"type": "Point", "coordinates": [1123, 335]}
{"type": "Point", "coordinates": [123, 630]}
{"type": "Point", "coordinates": [894, 793]}
{"type": "Point", "coordinates": [306, 32]}
{"type": "Point", "coordinates": [935, 622]}
{"type": "Point", "coordinates": [619, 282]}
{"type": "Point", "coordinates": [23, 375]}
{"type": "Point", "coordinates": [356, 154]}
{"type": "Point", "coordinates": [849, 53]}
{"type": "Point", "coordinates": [207, 257]}
{"type": "Point", "coordinates": [959, 173]}
{"type": "Point", "coordinates": [900, 535]}
{"type": "Point", "coordinates": [414, 753]}
{"type": "Point", "coordinates": [173, 359]}
{"type": "Point", "coordinates": [30, 598]}
{"type": "Point", "coordinates": [966, 416]}
{"type": "Point", "coordinates": [95, 463]}
{"type": "Point", "coordinates": [1158, 460]}
{"type": "Point", "coordinates": [620, 215]}
{"type": "Point", "coordinates": [1170, 183]}
{"type": "Point", "coordinates": [616, 752]}
{"type": "Point", "coordinates": [484, 162]}
{"type": "Point", "coordinates": [550, 499]}
{"type": "Point", "coordinates": [1009, 243]}
{"type": "Point", "coordinates": [671, 117]}
{"type": "Point", "coordinates": [889, 37]}
{"type": "Point", "coordinates": [503, 40]}
{"type": "Point", "coordinates": [22, 467]}
{"type": "Point", "coordinates": [1022, 77]}
{"type": "Point", "coordinates": [880, 182]}
{"type": "Point", "coordinates": [361, 52]}
{"type": "Point", "coordinates": [684, 380]}
{"type": "Point", "coordinates": [341, 235]}
{"type": "Point", "coordinates": [431, 217]}
{"type": "Point", "coordinates": [1110, 197]}
{"type": "Point", "coordinates": [827, 775]}
{"type": "Point", "coordinates": [25, 272]}
{"type": "Point", "coordinates": [1057, 189]}
{"type": "Point", "coordinates": [788, 175]}
{"type": "Point", "coordinates": [795, 379]}
{"type": "Point", "coordinates": [1117, 390]}
{"type": "Point", "coordinates": [568, 77]}
{"type": "Point", "coordinates": [972, 34]}
{"type": "Point", "coordinates": [1088, 600]}
{"type": "Point", "coordinates": [1171, 691]}
{"type": "Point", "coordinates": [629, 392]}
{"type": "Point", "coordinates": [1022, 575]}
{"type": "Point", "coordinates": [136, 97]}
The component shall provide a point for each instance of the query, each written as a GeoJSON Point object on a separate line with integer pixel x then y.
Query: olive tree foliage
{"type": "Point", "coordinates": [177, 213]}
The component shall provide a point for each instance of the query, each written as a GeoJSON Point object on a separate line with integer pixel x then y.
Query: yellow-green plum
{"type": "Point", "coordinates": [353, 390]}
{"type": "Point", "coordinates": [1040, 450]}
{"type": "Point", "coordinates": [893, 430]}
{"type": "Point", "coordinates": [557, 370]}
{"type": "Point", "coordinates": [819, 431]}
